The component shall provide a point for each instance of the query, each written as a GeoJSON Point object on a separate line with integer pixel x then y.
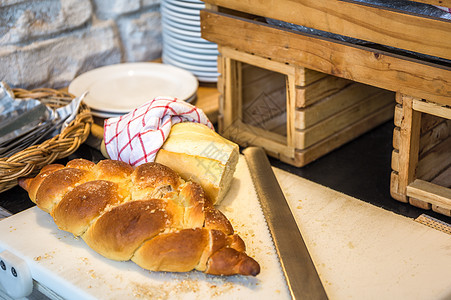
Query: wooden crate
{"type": "Point", "coordinates": [297, 115]}
{"type": "Point", "coordinates": [407, 53]}
{"type": "Point", "coordinates": [421, 159]}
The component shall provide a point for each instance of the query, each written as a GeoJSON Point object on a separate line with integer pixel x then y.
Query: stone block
{"type": "Point", "coordinates": [107, 9]}
{"type": "Point", "coordinates": [24, 21]}
{"type": "Point", "coordinates": [55, 62]}
{"type": "Point", "coordinates": [141, 36]}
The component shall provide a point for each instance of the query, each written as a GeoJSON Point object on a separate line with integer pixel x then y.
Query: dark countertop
{"type": "Point", "coordinates": [360, 168]}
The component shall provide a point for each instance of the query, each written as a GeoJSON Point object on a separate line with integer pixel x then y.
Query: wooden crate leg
{"type": "Point", "coordinates": [419, 203]}
{"type": "Point", "coordinates": [408, 146]}
{"type": "Point", "coordinates": [230, 108]}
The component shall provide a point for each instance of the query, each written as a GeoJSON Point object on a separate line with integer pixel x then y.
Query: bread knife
{"type": "Point", "coordinates": [300, 272]}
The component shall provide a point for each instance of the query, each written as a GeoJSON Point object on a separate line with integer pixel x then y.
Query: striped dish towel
{"type": "Point", "coordinates": [136, 137]}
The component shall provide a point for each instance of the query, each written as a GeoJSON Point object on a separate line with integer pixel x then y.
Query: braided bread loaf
{"type": "Point", "coordinates": [148, 215]}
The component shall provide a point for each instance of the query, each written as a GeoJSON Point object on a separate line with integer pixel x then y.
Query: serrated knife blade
{"type": "Point", "coordinates": [300, 272]}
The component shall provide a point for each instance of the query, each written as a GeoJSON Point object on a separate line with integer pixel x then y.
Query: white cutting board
{"type": "Point", "coordinates": [71, 269]}
{"type": "Point", "coordinates": [365, 252]}
{"type": "Point", "coordinates": [360, 251]}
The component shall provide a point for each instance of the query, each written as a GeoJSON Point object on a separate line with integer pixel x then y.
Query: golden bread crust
{"type": "Point", "coordinates": [31, 185]}
{"type": "Point", "coordinates": [178, 251]}
{"type": "Point", "coordinates": [149, 215]}
{"type": "Point", "coordinates": [120, 231]}
{"type": "Point", "coordinates": [85, 202]}
{"type": "Point", "coordinates": [55, 185]}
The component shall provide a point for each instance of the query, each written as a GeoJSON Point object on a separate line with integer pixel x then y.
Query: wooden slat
{"type": "Point", "coordinates": [342, 60]}
{"type": "Point", "coordinates": [398, 115]}
{"type": "Point", "coordinates": [230, 109]}
{"type": "Point", "coordinates": [255, 60]}
{"type": "Point", "coordinates": [394, 188]}
{"type": "Point", "coordinates": [307, 76]}
{"type": "Point", "coordinates": [430, 193]}
{"type": "Point", "coordinates": [291, 107]}
{"type": "Point", "coordinates": [333, 104]}
{"type": "Point", "coordinates": [303, 157]}
{"type": "Point", "coordinates": [396, 137]}
{"type": "Point", "coordinates": [428, 122]}
{"type": "Point", "coordinates": [444, 178]}
{"type": "Point", "coordinates": [259, 108]}
{"type": "Point", "coordinates": [395, 160]}
{"type": "Point", "coordinates": [399, 98]}
{"type": "Point", "coordinates": [440, 210]}
{"type": "Point", "coordinates": [246, 135]}
{"type": "Point", "coordinates": [263, 94]}
{"type": "Point", "coordinates": [309, 136]}
{"type": "Point", "coordinates": [319, 90]}
{"type": "Point", "coordinates": [362, 21]}
{"type": "Point", "coordinates": [435, 161]}
{"type": "Point", "coordinates": [434, 137]}
{"type": "Point", "coordinates": [420, 203]}
{"type": "Point", "coordinates": [277, 124]}
{"type": "Point", "coordinates": [258, 76]}
{"type": "Point", "coordinates": [408, 148]}
{"type": "Point", "coordinates": [432, 109]}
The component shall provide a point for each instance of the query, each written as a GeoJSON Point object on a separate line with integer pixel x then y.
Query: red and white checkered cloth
{"type": "Point", "coordinates": [136, 137]}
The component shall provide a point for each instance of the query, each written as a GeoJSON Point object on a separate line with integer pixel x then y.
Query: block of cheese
{"type": "Point", "coordinates": [199, 154]}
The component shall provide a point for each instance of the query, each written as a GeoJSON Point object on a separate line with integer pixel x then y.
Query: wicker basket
{"type": "Point", "coordinates": [31, 160]}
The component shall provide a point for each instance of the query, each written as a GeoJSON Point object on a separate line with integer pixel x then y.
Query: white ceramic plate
{"type": "Point", "coordinates": [180, 30]}
{"type": "Point", "coordinates": [186, 11]}
{"type": "Point", "coordinates": [204, 48]}
{"type": "Point", "coordinates": [203, 76]}
{"type": "Point", "coordinates": [191, 58]}
{"type": "Point", "coordinates": [185, 4]}
{"type": "Point", "coordinates": [123, 87]}
{"type": "Point", "coordinates": [174, 13]}
{"type": "Point", "coordinates": [171, 14]}
{"type": "Point", "coordinates": [184, 36]}
{"type": "Point", "coordinates": [103, 114]}
{"type": "Point", "coordinates": [181, 24]}
{"type": "Point", "coordinates": [191, 1]}
{"type": "Point", "coordinates": [189, 64]}
{"type": "Point", "coordinates": [207, 79]}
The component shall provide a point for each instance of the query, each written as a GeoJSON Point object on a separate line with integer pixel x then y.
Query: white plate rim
{"type": "Point", "coordinates": [170, 13]}
{"type": "Point", "coordinates": [201, 60]}
{"type": "Point", "coordinates": [106, 114]}
{"type": "Point", "coordinates": [193, 39]}
{"type": "Point", "coordinates": [81, 83]}
{"type": "Point", "coordinates": [196, 73]}
{"type": "Point", "coordinates": [207, 48]}
{"type": "Point", "coordinates": [180, 24]}
{"type": "Point", "coordinates": [190, 65]}
{"type": "Point", "coordinates": [180, 31]}
{"type": "Point", "coordinates": [189, 5]}
{"type": "Point", "coordinates": [192, 1]}
{"type": "Point", "coordinates": [182, 10]}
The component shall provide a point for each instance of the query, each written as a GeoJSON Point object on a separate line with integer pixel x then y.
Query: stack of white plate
{"type": "Point", "coordinates": [182, 43]}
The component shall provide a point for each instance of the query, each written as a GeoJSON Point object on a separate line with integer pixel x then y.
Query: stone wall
{"type": "Point", "coordinates": [47, 43]}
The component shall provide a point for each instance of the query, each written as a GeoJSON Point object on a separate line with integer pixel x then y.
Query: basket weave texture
{"type": "Point", "coordinates": [29, 161]}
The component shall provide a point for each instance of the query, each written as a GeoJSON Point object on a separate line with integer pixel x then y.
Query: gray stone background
{"type": "Point", "coordinates": [47, 43]}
